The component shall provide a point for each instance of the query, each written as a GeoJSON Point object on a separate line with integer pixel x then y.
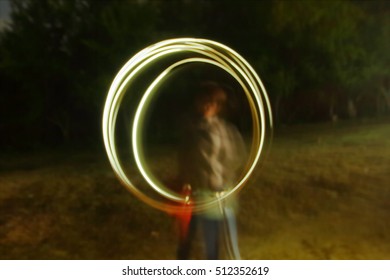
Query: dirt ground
{"type": "Point", "coordinates": [322, 193]}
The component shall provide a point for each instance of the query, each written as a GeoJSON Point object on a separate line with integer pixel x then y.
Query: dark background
{"type": "Point", "coordinates": [320, 61]}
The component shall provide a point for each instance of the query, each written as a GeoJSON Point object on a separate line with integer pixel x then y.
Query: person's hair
{"type": "Point", "coordinates": [211, 92]}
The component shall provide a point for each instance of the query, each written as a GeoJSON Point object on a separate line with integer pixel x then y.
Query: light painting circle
{"type": "Point", "coordinates": [197, 51]}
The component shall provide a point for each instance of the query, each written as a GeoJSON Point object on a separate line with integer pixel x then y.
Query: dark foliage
{"type": "Point", "coordinates": [319, 61]}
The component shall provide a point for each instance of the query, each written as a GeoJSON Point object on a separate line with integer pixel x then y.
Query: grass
{"type": "Point", "coordinates": [322, 193]}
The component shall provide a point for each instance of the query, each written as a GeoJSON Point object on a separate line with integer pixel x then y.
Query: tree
{"type": "Point", "coordinates": [376, 71]}
{"type": "Point", "coordinates": [37, 59]}
{"type": "Point", "coordinates": [61, 57]}
{"type": "Point", "coordinates": [320, 45]}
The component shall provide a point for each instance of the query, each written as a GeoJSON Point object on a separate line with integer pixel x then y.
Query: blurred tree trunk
{"type": "Point", "coordinates": [384, 90]}
{"type": "Point", "coordinates": [332, 113]}
{"type": "Point", "coordinates": [351, 108]}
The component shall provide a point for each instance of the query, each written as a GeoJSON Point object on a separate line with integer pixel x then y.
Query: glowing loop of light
{"type": "Point", "coordinates": [202, 51]}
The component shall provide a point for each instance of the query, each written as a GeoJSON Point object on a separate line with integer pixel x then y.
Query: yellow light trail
{"type": "Point", "coordinates": [201, 51]}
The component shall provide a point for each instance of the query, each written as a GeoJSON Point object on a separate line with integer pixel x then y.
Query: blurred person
{"type": "Point", "coordinates": [211, 155]}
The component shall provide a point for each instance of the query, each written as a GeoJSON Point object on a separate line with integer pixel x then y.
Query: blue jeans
{"type": "Point", "coordinates": [214, 229]}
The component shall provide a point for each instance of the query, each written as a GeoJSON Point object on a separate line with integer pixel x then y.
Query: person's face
{"type": "Point", "coordinates": [209, 109]}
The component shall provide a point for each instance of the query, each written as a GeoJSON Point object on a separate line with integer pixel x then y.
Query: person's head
{"type": "Point", "coordinates": [210, 99]}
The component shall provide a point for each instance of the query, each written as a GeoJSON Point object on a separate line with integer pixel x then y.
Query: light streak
{"type": "Point", "coordinates": [200, 51]}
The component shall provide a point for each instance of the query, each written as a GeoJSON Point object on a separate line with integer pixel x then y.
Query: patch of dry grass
{"type": "Point", "coordinates": [322, 193]}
